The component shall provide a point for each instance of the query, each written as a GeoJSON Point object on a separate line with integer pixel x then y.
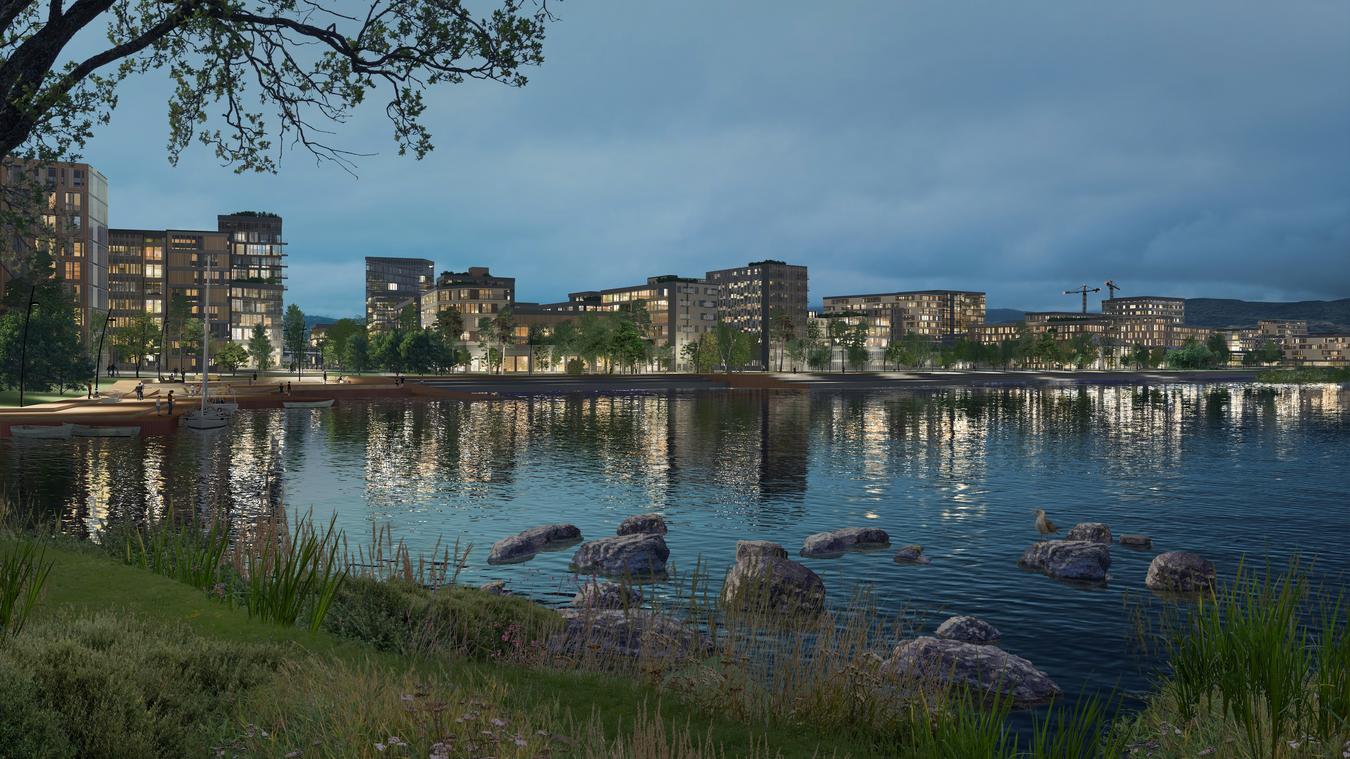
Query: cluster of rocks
{"type": "Point", "coordinates": [824, 545]}
{"type": "Point", "coordinates": [1085, 555]}
{"type": "Point", "coordinates": [765, 579]}
{"type": "Point", "coordinates": [979, 668]}
{"type": "Point", "coordinates": [524, 545]}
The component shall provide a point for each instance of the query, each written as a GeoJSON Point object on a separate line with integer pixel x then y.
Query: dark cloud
{"type": "Point", "coordinates": [1197, 148]}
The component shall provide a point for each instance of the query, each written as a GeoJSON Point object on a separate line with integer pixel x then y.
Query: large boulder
{"type": "Point", "coordinates": [627, 633]}
{"type": "Point", "coordinates": [1095, 532]}
{"type": "Point", "coordinates": [773, 584]}
{"type": "Point", "coordinates": [748, 548]}
{"type": "Point", "coordinates": [643, 524]}
{"type": "Point", "coordinates": [837, 542]}
{"type": "Point", "coordinates": [988, 672]}
{"type": "Point", "coordinates": [911, 554]}
{"type": "Point", "coordinates": [606, 595]}
{"type": "Point", "coordinates": [968, 630]}
{"type": "Point", "coordinates": [523, 546]}
{"type": "Point", "coordinates": [1069, 559]}
{"type": "Point", "coordinates": [1180, 572]}
{"type": "Point", "coordinates": [622, 556]}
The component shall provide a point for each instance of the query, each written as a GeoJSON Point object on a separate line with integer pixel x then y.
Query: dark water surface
{"type": "Point", "coordinates": [1226, 471]}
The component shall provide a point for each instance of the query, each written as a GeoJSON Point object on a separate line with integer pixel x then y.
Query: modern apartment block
{"type": "Point", "coordinates": [73, 216]}
{"type": "Point", "coordinates": [475, 293]}
{"type": "Point", "coordinates": [1169, 310]}
{"type": "Point", "coordinates": [938, 315]}
{"type": "Point", "coordinates": [1318, 350]}
{"type": "Point", "coordinates": [747, 296]}
{"type": "Point", "coordinates": [257, 264]}
{"type": "Point", "coordinates": [1278, 332]}
{"type": "Point", "coordinates": [392, 284]}
{"type": "Point", "coordinates": [245, 260]}
{"type": "Point", "coordinates": [680, 308]}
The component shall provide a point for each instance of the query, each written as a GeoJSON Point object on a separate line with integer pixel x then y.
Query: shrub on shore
{"type": "Point", "coordinates": [1304, 376]}
{"type": "Point", "coordinates": [105, 686]}
{"type": "Point", "coordinates": [394, 615]}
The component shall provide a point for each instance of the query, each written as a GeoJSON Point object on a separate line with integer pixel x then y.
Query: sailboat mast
{"type": "Point", "coordinates": [206, 330]}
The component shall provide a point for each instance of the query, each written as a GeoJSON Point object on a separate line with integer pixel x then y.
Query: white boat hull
{"type": "Point", "coordinates": [41, 431]}
{"type": "Point", "coordinates": [85, 431]}
{"type": "Point", "coordinates": [308, 404]}
{"type": "Point", "coordinates": [205, 420]}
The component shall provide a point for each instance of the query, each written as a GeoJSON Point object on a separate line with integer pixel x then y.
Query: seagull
{"type": "Point", "coordinates": [1043, 525]}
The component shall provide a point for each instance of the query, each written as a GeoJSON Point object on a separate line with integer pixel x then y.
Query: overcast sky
{"type": "Point", "coordinates": [1179, 148]}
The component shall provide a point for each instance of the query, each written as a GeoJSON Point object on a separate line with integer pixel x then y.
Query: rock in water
{"type": "Point", "coordinates": [629, 633]}
{"type": "Point", "coordinates": [747, 548]}
{"type": "Point", "coordinates": [837, 542]}
{"type": "Point", "coordinates": [968, 630]}
{"type": "Point", "coordinates": [775, 585]}
{"type": "Point", "coordinates": [622, 556]}
{"type": "Point", "coordinates": [643, 524]}
{"type": "Point", "coordinates": [523, 546]}
{"type": "Point", "coordinates": [1095, 532]}
{"type": "Point", "coordinates": [988, 671]}
{"type": "Point", "coordinates": [1136, 541]}
{"type": "Point", "coordinates": [1069, 559]}
{"type": "Point", "coordinates": [606, 595]}
{"type": "Point", "coordinates": [495, 587]}
{"type": "Point", "coordinates": [912, 554]}
{"type": "Point", "coordinates": [1181, 572]}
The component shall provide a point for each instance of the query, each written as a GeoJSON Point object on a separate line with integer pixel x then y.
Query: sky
{"type": "Point", "coordinates": [1184, 148]}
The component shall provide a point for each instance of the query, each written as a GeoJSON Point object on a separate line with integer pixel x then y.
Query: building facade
{"type": "Point", "coordinates": [72, 231]}
{"type": "Point", "coordinates": [476, 294]}
{"type": "Point", "coordinates": [244, 259]}
{"type": "Point", "coordinates": [1168, 310]}
{"type": "Point", "coordinates": [748, 296]}
{"type": "Point", "coordinates": [1318, 350]}
{"type": "Point", "coordinates": [938, 315]}
{"type": "Point", "coordinates": [392, 284]}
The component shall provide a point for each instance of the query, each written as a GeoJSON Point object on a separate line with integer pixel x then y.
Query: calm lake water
{"type": "Point", "coordinates": [1228, 471]}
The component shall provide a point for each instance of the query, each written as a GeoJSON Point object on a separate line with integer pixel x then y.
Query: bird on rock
{"type": "Point", "coordinates": [1043, 525]}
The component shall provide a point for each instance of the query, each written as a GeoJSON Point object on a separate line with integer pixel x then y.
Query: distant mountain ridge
{"type": "Point", "coordinates": [1321, 315]}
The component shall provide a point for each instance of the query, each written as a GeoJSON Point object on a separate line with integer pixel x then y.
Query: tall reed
{"type": "Point", "coordinates": [183, 552]}
{"type": "Point", "coordinates": [23, 573]}
{"type": "Point", "coordinates": [289, 572]}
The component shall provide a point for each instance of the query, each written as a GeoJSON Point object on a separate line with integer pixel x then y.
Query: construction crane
{"type": "Point", "coordinates": [1084, 290]}
{"type": "Point", "coordinates": [1112, 287]}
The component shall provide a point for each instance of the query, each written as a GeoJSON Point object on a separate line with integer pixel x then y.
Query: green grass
{"type": "Point", "coordinates": [10, 398]}
{"type": "Point", "coordinates": [86, 582]}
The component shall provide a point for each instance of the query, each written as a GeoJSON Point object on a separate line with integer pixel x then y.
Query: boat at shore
{"type": "Point", "coordinates": [41, 431]}
{"type": "Point", "coordinates": [84, 430]}
{"type": "Point", "coordinates": [328, 403]}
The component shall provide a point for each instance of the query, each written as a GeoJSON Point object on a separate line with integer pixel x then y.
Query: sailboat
{"type": "Point", "coordinates": [206, 417]}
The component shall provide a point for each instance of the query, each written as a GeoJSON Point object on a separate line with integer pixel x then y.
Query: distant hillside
{"type": "Point", "coordinates": [311, 320]}
{"type": "Point", "coordinates": [1322, 315]}
{"type": "Point", "coordinates": [1003, 315]}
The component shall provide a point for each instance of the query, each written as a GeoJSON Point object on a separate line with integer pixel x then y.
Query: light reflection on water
{"type": "Point", "coordinates": [1224, 470]}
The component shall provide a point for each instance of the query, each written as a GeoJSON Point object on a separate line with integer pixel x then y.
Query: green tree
{"type": "Point", "coordinates": [417, 350]}
{"type": "Point", "coordinates": [337, 347]}
{"type": "Point", "coordinates": [260, 348]}
{"type": "Point", "coordinates": [230, 356]}
{"type": "Point", "coordinates": [356, 357]}
{"type": "Point", "coordinates": [1139, 356]}
{"type": "Point", "coordinates": [175, 321]}
{"type": "Point", "coordinates": [138, 339]}
{"type": "Point", "coordinates": [797, 349]}
{"type": "Point", "coordinates": [61, 361]}
{"type": "Point", "coordinates": [837, 331]}
{"type": "Point", "coordinates": [782, 330]}
{"type": "Point", "coordinates": [564, 342]}
{"type": "Point", "coordinates": [190, 339]}
{"type": "Point", "coordinates": [1218, 346]}
{"type": "Point", "coordinates": [1083, 350]}
{"type": "Point", "coordinates": [293, 336]}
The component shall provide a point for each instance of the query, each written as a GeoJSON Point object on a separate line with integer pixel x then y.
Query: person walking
{"type": "Point", "coordinates": [170, 403]}
{"type": "Point", "coordinates": [325, 376]}
{"type": "Point", "coordinates": [157, 407]}
{"type": "Point", "coordinates": [288, 387]}
{"type": "Point", "coordinates": [140, 391]}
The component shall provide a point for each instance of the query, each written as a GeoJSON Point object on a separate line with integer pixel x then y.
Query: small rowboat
{"type": "Point", "coordinates": [41, 431]}
{"type": "Point", "coordinates": [309, 404]}
{"type": "Point", "coordinates": [82, 430]}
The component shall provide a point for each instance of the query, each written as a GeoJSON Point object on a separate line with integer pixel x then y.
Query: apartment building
{"type": "Point", "coordinates": [747, 296]}
{"type": "Point", "coordinates": [1318, 350]}
{"type": "Point", "coordinates": [73, 231]}
{"type": "Point", "coordinates": [244, 259]}
{"type": "Point", "coordinates": [477, 294]}
{"type": "Point", "coordinates": [391, 285]}
{"type": "Point", "coordinates": [680, 310]}
{"type": "Point", "coordinates": [1168, 310]}
{"type": "Point", "coordinates": [939, 315]}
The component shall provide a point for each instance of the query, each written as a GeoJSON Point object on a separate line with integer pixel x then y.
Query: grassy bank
{"type": "Point", "coordinates": [157, 644]}
{"type": "Point", "coordinates": [1311, 375]}
{"type": "Point", "coordinates": [10, 398]}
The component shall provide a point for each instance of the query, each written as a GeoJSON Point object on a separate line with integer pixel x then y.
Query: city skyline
{"type": "Point", "coordinates": [901, 161]}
